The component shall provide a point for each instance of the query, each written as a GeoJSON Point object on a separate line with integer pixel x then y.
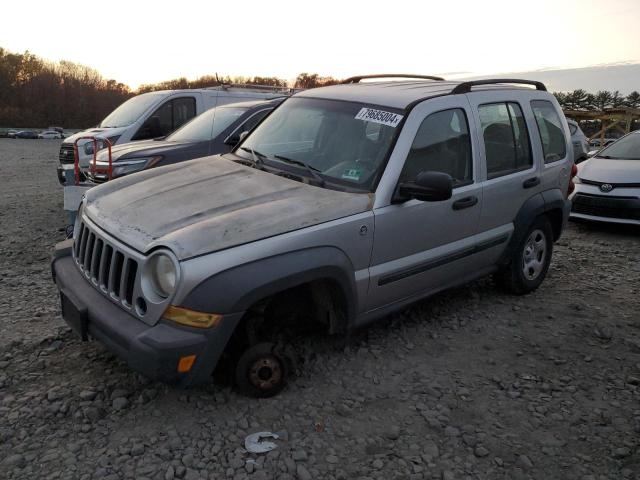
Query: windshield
{"type": "Point", "coordinates": [208, 125]}
{"type": "Point", "coordinates": [344, 142]}
{"type": "Point", "coordinates": [627, 148]}
{"type": "Point", "coordinates": [131, 110]}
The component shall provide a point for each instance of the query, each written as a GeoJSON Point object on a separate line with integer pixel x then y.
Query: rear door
{"type": "Point", "coordinates": [420, 247]}
{"type": "Point", "coordinates": [511, 170]}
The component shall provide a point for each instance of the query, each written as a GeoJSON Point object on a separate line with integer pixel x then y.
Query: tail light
{"type": "Point", "coordinates": [572, 185]}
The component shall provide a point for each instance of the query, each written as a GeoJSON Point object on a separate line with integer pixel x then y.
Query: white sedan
{"type": "Point", "coordinates": [50, 134]}
{"type": "Point", "coordinates": [608, 184]}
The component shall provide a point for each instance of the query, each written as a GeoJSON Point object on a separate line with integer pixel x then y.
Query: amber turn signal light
{"type": "Point", "coordinates": [191, 318]}
{"type": "Point", "coordinates": [185, 363]}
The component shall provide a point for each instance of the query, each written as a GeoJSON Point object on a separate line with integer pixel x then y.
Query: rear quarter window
{"type": "Point", "coordinates": [554, 145]}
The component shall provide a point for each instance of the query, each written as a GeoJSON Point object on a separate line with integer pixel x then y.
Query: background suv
{"type": "Point", "coordinates": [345, 204]}
{"type": "Point", "coordinates": [215, 131]}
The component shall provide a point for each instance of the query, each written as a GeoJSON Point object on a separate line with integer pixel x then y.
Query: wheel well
{"type": "Point", "coordinates": [316, 306]}
{"type": "Point", "coordinates": [555, 218]}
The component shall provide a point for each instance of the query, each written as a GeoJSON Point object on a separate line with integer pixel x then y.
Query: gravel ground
{"type": "Point", "coordinates": [472, 384]}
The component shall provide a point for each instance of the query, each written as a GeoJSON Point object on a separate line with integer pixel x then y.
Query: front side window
{"type": "Point", "coordinates": [506, 140]}
{"type": "Point", "coordinates": [442, 144]}
{"type": "Point", "coordinates": [169, 116]}
{"type": "Point", "coordinates": [207, 125]}
{"type": "Point", "coordinates": [333, 138]}
{"type": "Point", "coordinates": [184, 109]}
{"type": "Point", "coordinates": [551, 132]}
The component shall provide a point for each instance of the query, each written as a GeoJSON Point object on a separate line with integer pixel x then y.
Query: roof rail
{"type": "Point", "coordinates": [267, 88]}
{"type": "Point", "coordinates": [390, 75]}
{"type": "Point", "coordinates": [465, 87]}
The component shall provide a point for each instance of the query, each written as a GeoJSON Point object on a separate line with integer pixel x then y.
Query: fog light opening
{"type": "Point", "coordinates": [141, 306]}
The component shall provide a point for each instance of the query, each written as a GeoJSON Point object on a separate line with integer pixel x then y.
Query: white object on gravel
{"type": "Point", "coordinates": [254, 444]}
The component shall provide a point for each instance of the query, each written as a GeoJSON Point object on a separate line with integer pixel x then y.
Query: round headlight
{"type": "Point", "coordinates": [162, 274]}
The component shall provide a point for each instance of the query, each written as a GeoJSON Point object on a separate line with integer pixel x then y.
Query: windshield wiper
{"type": "Point", "coordinates": [256, 157]}
{"type": "Point", "coordinates": [313, 171]}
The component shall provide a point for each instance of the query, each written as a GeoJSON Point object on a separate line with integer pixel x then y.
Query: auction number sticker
{"type": "Point", "coordinates": [379, 116]}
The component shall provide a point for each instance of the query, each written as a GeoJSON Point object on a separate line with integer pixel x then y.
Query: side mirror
{"type": "Point", "coordinates": [428, 187]}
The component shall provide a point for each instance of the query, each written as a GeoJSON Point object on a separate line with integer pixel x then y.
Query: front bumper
{"type": "Point", "coordinates": [621, 206]}
{"type": "Point", "coordinates": [154, 350]}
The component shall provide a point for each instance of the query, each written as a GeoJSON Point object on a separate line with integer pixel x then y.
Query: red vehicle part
{"type": "Point", "coordinates": [93, 168]}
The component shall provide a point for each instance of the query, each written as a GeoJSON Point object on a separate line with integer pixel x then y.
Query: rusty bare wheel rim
{"type": "Point", "coordinates": [265, 373]}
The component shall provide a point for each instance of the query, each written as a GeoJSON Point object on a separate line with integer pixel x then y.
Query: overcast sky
{"type": "Point", "coordinates": [141, 42]}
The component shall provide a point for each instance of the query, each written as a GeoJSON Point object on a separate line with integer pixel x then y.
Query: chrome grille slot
{"type": "Point", "coordinates": [107, 266]}
{"type": "Point", "coordinates": [67, 153]}
{"type": "Point", "coordinates": [86, 261]}
{"type": "Point", "coordinates": [117, 274]}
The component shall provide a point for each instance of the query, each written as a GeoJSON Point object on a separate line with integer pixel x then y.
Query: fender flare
{"type": "Point", "coordinates": [535, 206]}
{"type": "Point", "coordinates": [238, 288]}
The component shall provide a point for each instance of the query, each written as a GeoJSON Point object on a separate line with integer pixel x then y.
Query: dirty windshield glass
{"type": "Point", "coordinates": [627, 148]}
{"type": "Point", "coordinates": [341, 142]}
{"type": "Point", "coordinates": [131, 110]}
{"type": "Point", "coordinates": [207, 125]}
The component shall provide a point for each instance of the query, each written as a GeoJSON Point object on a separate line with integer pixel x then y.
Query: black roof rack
{"type": "Point", "coordinates": [465, 87]}
{"type": "Point", "coordinates": [390, 75]}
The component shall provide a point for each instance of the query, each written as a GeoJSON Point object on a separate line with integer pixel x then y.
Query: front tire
{"type": "Point", "coordinates": [530, 260]}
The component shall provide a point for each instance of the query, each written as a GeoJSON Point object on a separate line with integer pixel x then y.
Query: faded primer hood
{"type": "Point", "coordinates": [607, 170]}
{"type": "Point", "coordinates": [210, 204]}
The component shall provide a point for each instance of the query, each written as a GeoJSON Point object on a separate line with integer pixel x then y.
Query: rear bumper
{"type": "Point", "coordinates": [154, 350]}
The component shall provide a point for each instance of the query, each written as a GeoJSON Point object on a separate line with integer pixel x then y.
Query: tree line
{"type": "Point", "coordinates": [303, 80]}
{"type": "Point", "coordinates": [582, 100]}
{"type": "Point", "coordinates": [37, 93]}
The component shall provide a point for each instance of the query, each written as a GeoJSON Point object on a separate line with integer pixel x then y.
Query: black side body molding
{"type": "Point", "coordinates": [443, 260]}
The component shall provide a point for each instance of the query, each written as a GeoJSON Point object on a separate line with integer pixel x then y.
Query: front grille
{"type": "Point", "coordinates": [107, 267]}
{"type": "Point", "coordinates": [613, 185]}
{"type": "Point", "coordinates": [66, 154]}
{"type": "Point", "coordinates": [627, 208]}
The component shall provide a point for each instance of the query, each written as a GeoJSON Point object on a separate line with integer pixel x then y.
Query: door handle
{"type": "Point", "coordinates": [531, 182]}
{"type": "Point", "coordinates": [465, 202]}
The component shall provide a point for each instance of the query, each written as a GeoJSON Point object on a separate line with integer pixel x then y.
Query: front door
{"type": "Point", "coordinates": [419, 246]}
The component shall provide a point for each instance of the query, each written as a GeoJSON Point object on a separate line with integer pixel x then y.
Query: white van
{"type": "Point", "coordinates": [155, 115]}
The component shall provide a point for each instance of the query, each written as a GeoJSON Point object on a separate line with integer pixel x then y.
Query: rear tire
{"type": "Point", "coordinates": [530, 260]}
{"type": "Point", "coordinates": [261, 371]}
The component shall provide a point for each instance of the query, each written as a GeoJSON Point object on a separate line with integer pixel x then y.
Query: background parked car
{"type": "Point", "coordinates": [12, 133]}
{"type": "Point", "coordinates": [597, 143]}
{"type": "Point", "coordinates": [579, 140]}
{"type": "Point", "coordinates": [608, 184]}
{"type": "Point", "coordinates": [26, 134]}
{"type": "Point", "coordinates": [50, 134]}
{"type": "Point", "coordinates": [215, 131]}
{"type": "Point", "coordinates": [154, 115]}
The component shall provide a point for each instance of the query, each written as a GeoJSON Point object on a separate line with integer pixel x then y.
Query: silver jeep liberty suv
{"type": "Point", "coordinates": [346, 203]}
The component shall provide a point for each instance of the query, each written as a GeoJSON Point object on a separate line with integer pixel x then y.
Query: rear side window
{"type": "Point", "coordinates": [442, 144]}
{"type": "Point", "coordinates": [506, 140]}
{"type": "Point", "coordinates": [551, 132]}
